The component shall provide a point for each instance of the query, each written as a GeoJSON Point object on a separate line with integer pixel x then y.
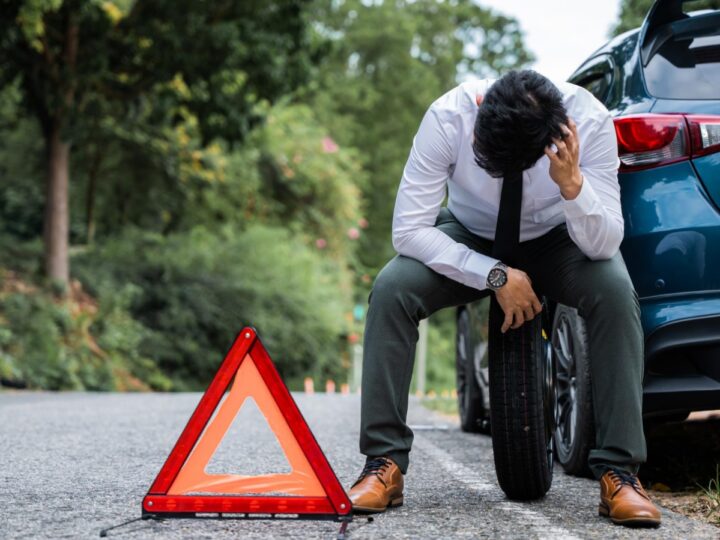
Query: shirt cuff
{"type": "Point", "coordinates": [479, 266]}
{"type": "Point", "coordinates": [584, 203]}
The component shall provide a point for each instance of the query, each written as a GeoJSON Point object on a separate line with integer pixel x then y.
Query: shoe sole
{"type": "Point", "coordinates": [369, 510]}
{"type": "Point", "coordinates": [604, 511]}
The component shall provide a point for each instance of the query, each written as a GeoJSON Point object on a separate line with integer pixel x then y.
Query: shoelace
{"type": "Point", "coordinates": [374, 466]}
{"type": "Point", "coordinates": [625, 478]}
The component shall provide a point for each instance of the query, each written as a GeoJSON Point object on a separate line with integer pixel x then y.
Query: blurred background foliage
{"type": "Point", "coordinates": [215, 164]}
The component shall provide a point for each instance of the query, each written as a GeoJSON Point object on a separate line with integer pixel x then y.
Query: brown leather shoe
{"type": "Point", "coordinates": [624, 501]}
{"type": "Point", "coordinates": [379, 486]}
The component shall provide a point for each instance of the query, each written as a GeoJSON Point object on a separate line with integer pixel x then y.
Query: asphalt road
{"type": "Point", "coordinates": [74, 463]}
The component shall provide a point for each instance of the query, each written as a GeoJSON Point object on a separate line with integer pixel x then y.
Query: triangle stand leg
{"type": "Point", "coordinates": [343, 529]}
{"type": "Point", "coordinates": [103, 532]}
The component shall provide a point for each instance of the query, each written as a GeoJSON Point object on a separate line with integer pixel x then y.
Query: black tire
{"type": "Point", "coordinates": [575, 433]}
{"type": "Point", "coordinates": [470, 398]}
{"type": "Point", "coordinates": [520, 407]}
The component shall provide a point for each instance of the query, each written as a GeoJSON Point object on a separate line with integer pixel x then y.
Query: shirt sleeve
{"type": "Point", "coordinates": [420, 194]}
{"type": "Point", "coordinates": [594, 218]}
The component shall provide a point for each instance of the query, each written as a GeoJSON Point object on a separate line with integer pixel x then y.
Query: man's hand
{"type": "Point", "coordinates": [564, 164]}
{"type": "Point", "coordinates": [517, 299]}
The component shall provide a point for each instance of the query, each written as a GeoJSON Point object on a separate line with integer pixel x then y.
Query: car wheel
{"type": "Point", "coordinates": [522, 406]}
{"type": "Point", "coordinates": [470, 398]}
{"type": "Point", "coordinates": [575, 433]}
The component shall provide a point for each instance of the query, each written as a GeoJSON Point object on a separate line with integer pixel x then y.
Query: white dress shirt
{"type": "Point", "coordinates": [441, 157]}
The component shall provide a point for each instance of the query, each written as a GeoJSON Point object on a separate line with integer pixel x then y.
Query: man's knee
{"type": "Point", "coordinates": [609, 288]}
{"type": "Point", "coordinates": [397, 279]}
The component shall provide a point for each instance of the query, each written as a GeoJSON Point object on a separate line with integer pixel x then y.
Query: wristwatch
{"type": "Point", "coordinates": [497, 277]}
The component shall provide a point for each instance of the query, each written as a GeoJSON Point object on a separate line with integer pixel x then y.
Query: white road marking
{"type": "Point", "coordinates": [536, 524]}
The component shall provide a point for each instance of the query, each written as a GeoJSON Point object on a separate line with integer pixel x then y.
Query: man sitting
{"type": "Point", "coordinates": [570, 229]}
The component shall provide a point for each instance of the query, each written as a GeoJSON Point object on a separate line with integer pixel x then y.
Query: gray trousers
{"type": "Point", "coordinates": [406, 291]}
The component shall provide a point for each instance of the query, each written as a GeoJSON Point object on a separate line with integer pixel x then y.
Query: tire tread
{"type": "Point", "coordinates": [517, 415]}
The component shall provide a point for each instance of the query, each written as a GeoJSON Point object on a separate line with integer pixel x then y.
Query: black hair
{"type": "Point", "coordinates": [518, 116]}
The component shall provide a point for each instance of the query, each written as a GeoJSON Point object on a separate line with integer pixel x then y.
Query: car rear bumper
{"type": "Point", "coordinates": [679, 322]}
{"type": "Point", "coordinates": [680, 393]}
{"type": "Point", "coordinates": [682, 353]}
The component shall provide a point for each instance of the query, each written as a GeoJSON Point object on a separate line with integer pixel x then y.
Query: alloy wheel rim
{"type": "Point", "coordinates": [566, 385]}
{"type": "Point", "coordinates": [550, 398]}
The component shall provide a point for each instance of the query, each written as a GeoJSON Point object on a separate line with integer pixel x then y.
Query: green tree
{"type": "Point", "coordinates": [633, 12]}
{"type": "Point", "coordinates": [288, 172]}
{"type": "Point", "coordinates": [78, 61]}
{"type": "Point", "coordinates": [309, 184]}
{"type": "Point", "coordinates": [384, 63]}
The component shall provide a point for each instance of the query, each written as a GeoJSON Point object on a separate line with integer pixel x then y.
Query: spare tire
{"type": "Point", "coordinates": [522, 406]}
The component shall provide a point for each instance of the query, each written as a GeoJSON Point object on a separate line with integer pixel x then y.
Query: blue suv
{"type": "Point", "coordinates": [661, 82]}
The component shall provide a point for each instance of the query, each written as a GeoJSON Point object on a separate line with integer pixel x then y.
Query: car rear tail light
{"type": "Point", "coordinates": [704, 134]}
{"type": "Point", "coordinates": [649, 140]}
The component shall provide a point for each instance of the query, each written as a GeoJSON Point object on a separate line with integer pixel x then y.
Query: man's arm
{"type": "Point", "coordinates": [421, 192]}
{"type": "Point", "coordinates": [593, 213]}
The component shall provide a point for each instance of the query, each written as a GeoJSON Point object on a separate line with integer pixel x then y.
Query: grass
{"type": "Point", "coordinates": [443, 405]}
{"type": "Point", "coordinates": [712, 494]}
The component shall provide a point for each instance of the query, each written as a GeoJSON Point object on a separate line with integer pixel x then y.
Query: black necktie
{"type": "Point", "coordinates": [507, 229]}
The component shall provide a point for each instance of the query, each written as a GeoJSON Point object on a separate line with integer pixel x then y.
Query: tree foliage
{"type": "Point", "coordinates": [384, 63]}
{"type": "Point", "coordinates": [226, 55]}
{"type": "Point", "coordinates": [223, 163]}
{"type": "Point", "coordinates": [78, 61]}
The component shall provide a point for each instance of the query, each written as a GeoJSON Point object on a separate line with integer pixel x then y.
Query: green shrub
{"type": "Point", "coordinates": [69, 344]}
{"type": "Point", "coordinates": [193, 292]}
{"type": "Point", "coordinates": [23, 257]}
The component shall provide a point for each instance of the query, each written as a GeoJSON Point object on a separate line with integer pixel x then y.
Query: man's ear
{"type": "Point", "coordinates": [478, 99]}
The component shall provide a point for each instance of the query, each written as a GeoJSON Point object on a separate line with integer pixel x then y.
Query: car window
{"type": "Point", "coordinates": [596, 77]}
{"type": "Point", "coordinates": [598, 85]}
{"type": "Point", "coordinates": [685, 69]}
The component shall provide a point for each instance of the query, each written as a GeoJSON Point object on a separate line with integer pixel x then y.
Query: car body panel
{"type": "Point", "coordinates": [687, 106]}
{"type": "Point", "coordinates": [708, 171]}
{"type": "Point", "coordinates": [672, 231]}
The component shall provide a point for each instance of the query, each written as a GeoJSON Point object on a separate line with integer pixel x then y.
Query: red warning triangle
{"type": "Point", "coordinates": [183, 487]}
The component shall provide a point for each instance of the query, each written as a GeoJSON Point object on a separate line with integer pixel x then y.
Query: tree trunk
{"type": "Point", "coordinates": [56, 226]}
{"type": "Point", "coordinates": [90, 194]}
{"type": "Point", "coordinates": [57, 214]}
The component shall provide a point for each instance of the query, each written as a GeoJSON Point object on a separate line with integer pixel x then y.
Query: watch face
{"type": "Point", "coordinates": [497, 277]}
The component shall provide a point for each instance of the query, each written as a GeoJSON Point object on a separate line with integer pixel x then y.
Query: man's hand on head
{"type": "Point", "coordinates": [565, 163]}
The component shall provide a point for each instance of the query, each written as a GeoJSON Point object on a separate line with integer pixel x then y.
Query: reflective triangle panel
{"type": "Point", "coordinates": [183, 486]}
